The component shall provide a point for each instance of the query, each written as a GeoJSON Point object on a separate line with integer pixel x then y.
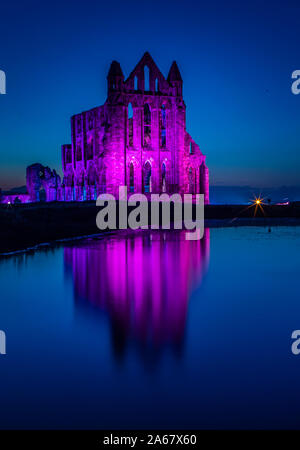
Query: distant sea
{"type": "Point", "coordinates": [232, 194]}
{"type": "Point", "coordinates": [244, 194]}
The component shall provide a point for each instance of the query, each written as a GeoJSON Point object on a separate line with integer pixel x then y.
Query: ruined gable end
{"type": "Point", "coordinates": [137, 138]}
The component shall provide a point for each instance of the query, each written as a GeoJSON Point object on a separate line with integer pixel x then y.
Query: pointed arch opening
{"type": "Point", "coordinates": [191, 181]}
{"type": "Point", "coordinates": [202, 179]}
{"type": "Point", "coordinates": [130, 111]}
{"type": "Point", "coordinates": [68, 157]}
{"type": "Point", "coordinates": [131, 178]}
{"type": "Point", "coordinates": [78, 153]}
{"type": "Point", "coordinates": [147, 178]}
{"type": "Point", "coordinates": [84, 192]}
{"type": "Point", "coordinates": [135, 83]}
{"type": "Point", "coordinates": [90, 150]}
{"type": "Point", "coordinates": [147, 125]}
{"type": "Point", "coordinates": [146, 78]}
{"type": "Point", "coordinates": [130, 124]}
{"type": "Point", "coordinates": [41, 194]}
{"type": "Point", "coordinates": [156, 84]}
{"type": "Point", "coordinates": [163, 178]}
{"type": "Point", "coordinates": [163, 131]}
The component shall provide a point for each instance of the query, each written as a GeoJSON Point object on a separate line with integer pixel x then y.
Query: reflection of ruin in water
{"type": "Point", "coordinates": [143, 281]}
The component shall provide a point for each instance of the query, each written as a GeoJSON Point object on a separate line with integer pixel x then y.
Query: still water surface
{"type": "Point", "coordinates": [153, 331]}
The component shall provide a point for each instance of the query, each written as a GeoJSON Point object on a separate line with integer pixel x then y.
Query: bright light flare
{"type": "Point", "coordinates": [258, 202]}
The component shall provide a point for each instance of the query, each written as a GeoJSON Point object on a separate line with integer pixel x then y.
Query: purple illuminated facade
{"type": "Point", "coordinates": [14, 198]}
{"type": "Point", "coordinates": [132, 282]}
{"type": "Point", "coordinates": [137, 139]}
{"type": "Point", "coordinates": [42, 184]}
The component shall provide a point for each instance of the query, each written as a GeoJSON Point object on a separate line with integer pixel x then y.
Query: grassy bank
{"type": "Point", "coordinates": [23, 226]}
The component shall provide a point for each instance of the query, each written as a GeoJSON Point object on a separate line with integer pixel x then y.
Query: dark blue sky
{"type": "Point", "coordinates": [236, 60]}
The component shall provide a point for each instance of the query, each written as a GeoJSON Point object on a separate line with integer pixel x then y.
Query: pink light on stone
{"type": "Point", "coordinates": [143, 281]}
{"type": "Point", "coordinates": [136, 126]}
{"type": "Point", "coordinates": [126, 142]}
{"type": "Point", "coordinates": [11, 199]}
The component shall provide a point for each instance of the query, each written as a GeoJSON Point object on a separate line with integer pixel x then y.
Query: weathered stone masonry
{"type": "Point", "coordinates": [138, 138]}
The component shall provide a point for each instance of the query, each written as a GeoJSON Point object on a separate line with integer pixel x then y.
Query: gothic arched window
{"type": "Point", "coordinates": [147, 125]}
{"type": "Point", "coordinates": [163, 132]}
{"type": "Point", "coordinates": [146, 78]}
{"type": "Point", "coordinates": [90, 122]}
{"type": "Point", "coordinates": [156, 85]}
{"type": "Point", "coordinates": [130, 111]}
{"type": "Point", "coordinates": [136, 85]}
{"type": "Point", "coordinates": [191, 181]}
{"type": "Point", "coordinates": [163, 178]}
{"type": "Point", "coordinates": [68, 156]}
{"type": "Point", "coordinates": [130, 125]}
{"type": "Point", "coordinates": [78, 153]}
{"type": "Point", "coordinates": [84, 196]}
{"type": "Point", "coordinates": [131, 178]}
{"type": "Point", "coordinates": [73, 190]}
{"type": "Point", "coordinates": [90, 149]}
{"type": "Point", "coordinates": [202, 179]}
{"type": "Point", "coordinates": [147, 177]}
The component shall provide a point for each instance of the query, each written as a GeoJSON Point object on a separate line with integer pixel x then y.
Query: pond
{"type": "Point", "coordinates": [149, 330]}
